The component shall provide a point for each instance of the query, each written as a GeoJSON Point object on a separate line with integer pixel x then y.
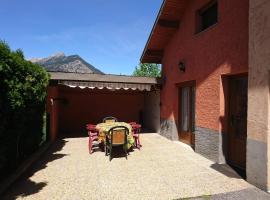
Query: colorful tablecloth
{"type": "Point", "coordinates": [103, 129]}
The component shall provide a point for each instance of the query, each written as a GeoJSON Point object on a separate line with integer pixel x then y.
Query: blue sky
{"type": "Point", "coordinates": [109, 34]}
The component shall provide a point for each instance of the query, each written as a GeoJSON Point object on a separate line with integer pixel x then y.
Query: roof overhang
{"type": "Point", "coordinates": [166, 24]}
{"type": "Point", "coordinates": [99, 81]}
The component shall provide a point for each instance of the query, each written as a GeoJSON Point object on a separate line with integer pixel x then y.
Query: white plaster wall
{"type": "Point", "coordinates": [258, 140]}
{"type": "Point", "coordinates": [151, 111]}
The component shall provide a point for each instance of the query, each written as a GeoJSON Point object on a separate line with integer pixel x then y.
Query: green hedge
{"type": "Point", "coordinates": [22, 106]}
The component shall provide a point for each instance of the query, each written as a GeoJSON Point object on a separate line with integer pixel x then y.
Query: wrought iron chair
{"type": "Point", "coordinates": [109, 119]}
{"type": "Point", "coordinates": [93, 136]}
{"type": "Point", "coordinates": [116, 136]}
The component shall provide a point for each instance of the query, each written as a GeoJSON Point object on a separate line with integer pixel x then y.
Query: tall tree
{"type": "Point", "coordinates": [147, 69]}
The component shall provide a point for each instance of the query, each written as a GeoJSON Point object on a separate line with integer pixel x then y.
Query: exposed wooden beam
{"type": "Point", "coordinates": [153, 56]}
{"type": "Point", "coordinates": [154, 52]}
{"type": "Point", "coordinates": [151, 60]}
{"type": "Point", "coordinates": [169, 23]}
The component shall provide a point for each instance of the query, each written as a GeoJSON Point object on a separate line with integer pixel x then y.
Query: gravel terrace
{"type": "Point", "coordinates": [162, 169]}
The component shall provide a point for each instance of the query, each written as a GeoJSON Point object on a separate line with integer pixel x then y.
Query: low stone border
{"type": "Point", "coordinates": [4, 185]}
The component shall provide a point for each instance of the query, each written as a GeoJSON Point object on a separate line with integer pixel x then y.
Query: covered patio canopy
{"type": "Point", "coordinates": [76, 99]}
{"type": "Point", "coordinates": [98, 81]}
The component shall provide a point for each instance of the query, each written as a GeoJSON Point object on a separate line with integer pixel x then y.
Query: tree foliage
{"type": "Point", "coordinates": [22, 104]}
{"type": "Point", "coordinates": [147, 69]}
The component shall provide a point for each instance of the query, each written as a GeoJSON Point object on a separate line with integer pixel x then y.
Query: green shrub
{"type": "Point", "coordinates": [23, 88]}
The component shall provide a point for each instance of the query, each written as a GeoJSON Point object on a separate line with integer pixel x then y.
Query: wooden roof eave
{"type": "Point", "coordinates": [69, 76]}
{"type": "Point", "coordinates": [165, 26]}
{"type": "Point", "coordinates": [152, 31]}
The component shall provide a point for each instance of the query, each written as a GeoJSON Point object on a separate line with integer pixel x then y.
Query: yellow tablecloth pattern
{"type": "Point", "coordinates": [105, 127]}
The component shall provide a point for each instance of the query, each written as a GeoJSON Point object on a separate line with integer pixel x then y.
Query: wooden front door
{"type": "Point", "coordinates": [186, 116]}
{"type": "Point", "coordinates": [238, 91]}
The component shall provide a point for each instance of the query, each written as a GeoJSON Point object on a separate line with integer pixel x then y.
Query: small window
{"type": "Point", "coordinates": [207, 16]}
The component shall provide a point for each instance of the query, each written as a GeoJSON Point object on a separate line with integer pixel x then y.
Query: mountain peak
{"type": "Point", "coordinates": [57, 55]}
{"type": "Point", "coordinates": [59, 62]}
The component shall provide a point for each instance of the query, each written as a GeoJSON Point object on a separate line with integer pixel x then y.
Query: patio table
{"type": "Point", "coordinates": [104, 128]}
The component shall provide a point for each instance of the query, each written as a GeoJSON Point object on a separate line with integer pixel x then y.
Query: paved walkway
{"type": "Point", "coordinates": [161, 170]}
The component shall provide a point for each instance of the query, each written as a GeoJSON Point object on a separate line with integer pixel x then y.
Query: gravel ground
{"type": "Point", "coordinates": [162, 169]}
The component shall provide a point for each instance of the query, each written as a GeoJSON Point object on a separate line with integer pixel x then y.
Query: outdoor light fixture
{"type": "Point", "coordinates": [182, 66]}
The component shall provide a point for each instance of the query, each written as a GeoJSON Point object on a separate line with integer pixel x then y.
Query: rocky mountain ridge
{"type": "Point", "coordinates": [62, 63]}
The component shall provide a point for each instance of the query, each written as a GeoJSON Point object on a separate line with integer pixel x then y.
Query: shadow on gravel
{"type": "Point", "coordinates": [24, 186]}
{"type": "Point", "coordinates": [245, 194]}
{"type": "Point", "coordinates": [226, 170]}
{"type": "Point", "coordinates": [118, 152]}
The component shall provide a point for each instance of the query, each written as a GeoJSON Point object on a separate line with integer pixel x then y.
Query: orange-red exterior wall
{"type": "Point", "coordinates": [222, 49]}
{"type": "Point", "coordinates": [82, 106]}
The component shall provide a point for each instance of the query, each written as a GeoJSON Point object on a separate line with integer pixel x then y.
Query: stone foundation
{"type": "Point", "coordinates": [168, 129]}
{"type": "Point", "coordinates": [209, 143]}
{"type": "Point", "coordinates": [257, 163]}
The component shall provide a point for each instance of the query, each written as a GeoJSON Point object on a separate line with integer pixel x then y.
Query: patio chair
{"type": "Point", "coordinates": [109, 119]}
{"type": "Point", "coordinates": [117, 136]}
{"type": "Point", "coordinates": [136, 129]}
{"type": "Point", "coordinates": [93, 136]}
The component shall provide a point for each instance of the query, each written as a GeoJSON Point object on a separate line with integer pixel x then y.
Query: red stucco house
{"type": "Point", "coordinates": [215, 86]}
{"type": "Point", "coordinates": [203, 48]}
{"type": "Point", "coordinates": [215, 72]}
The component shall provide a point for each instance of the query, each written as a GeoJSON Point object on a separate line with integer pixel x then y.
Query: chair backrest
{"type": "Point", "coordinates": [118, 135]}
{"type": "Point", "coordinates": [132, 123]}
{"type": "Point", "coordinates": [109, 119]}
{"type": "Point", "coordinates": [90, 126]}
{"type": "Point", "coordinates": [135, 127]}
